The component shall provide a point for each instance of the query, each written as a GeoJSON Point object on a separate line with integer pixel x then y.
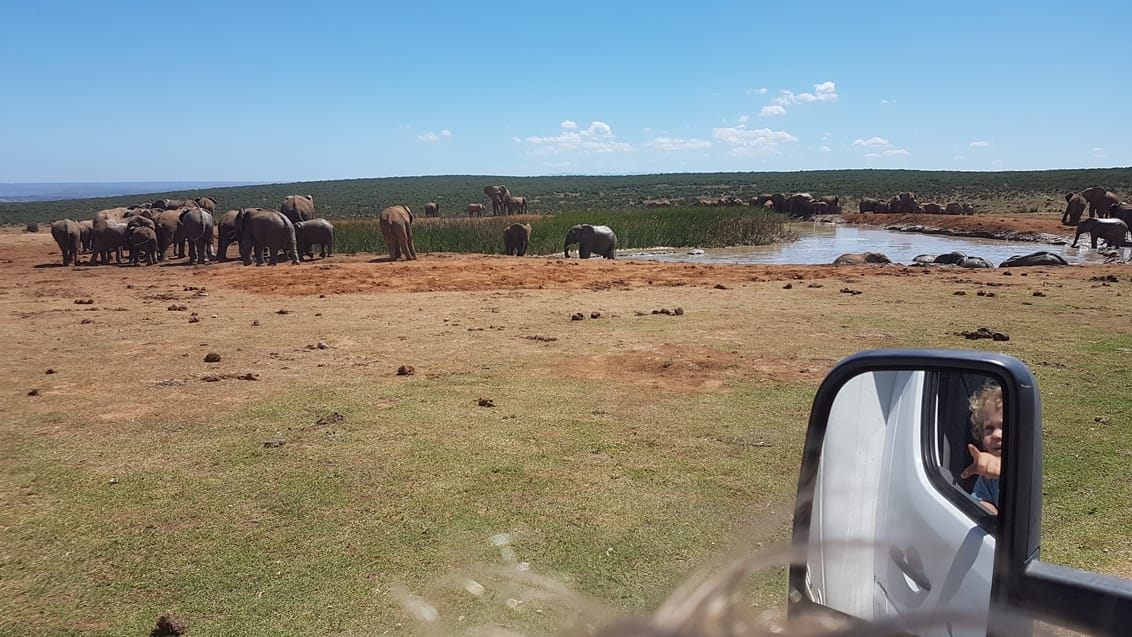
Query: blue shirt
{"type": "Point", "coordinates": [986, 490]}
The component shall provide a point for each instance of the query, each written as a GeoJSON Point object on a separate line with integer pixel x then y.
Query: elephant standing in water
{"type": "Point", "coordinates": [516, 238]}
{"type": "Point", "coordinates": [499, 196]}
{"type": "Point", "coordinates": [298, 208]}
{"type": "Point", "coordinates": [396, 224]}
{"type": "Point", "coordinates": [598, 240]}
{"type": "Point", "coordinates": [197, 224]}
{"type": "Point", "coordinates": [1122, 211]}
{"type": "Point", "coordinates": [262, 229]}
{"type": "Point", "coordinates": [68, 236]}
{"type": "Point", "coordinates": [432, 209]}
{"type": "Point", "coordinates": [1100, 200]}
{"type": "Point", "coordinates": [1111, 230]}
{"type": "Point", "coordinates": [1075, 206]}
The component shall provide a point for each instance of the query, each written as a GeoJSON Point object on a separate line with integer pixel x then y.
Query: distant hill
{"type": "Point", "coordinates": [991, 192]}
{"type": "Point", "coordinates": [13, 193]}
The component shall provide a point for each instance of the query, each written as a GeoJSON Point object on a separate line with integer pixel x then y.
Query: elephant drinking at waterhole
{"type": "Point", "coordinates": [591, 239]}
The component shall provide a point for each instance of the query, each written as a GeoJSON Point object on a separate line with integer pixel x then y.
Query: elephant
{"type": "Point", "coordinates": [904, 203]}
{"type": "Point", "coordinates": [952, 208]}
{"type": "Point", "coordinates": [1111, 230]}
{"type": "Point", "coordinates": [308, 233]}
{"type": "Point", "coordinates": [197, 225]}
{"type": "Point", "coordinates": [85, 227]}
{"type": "Point", "coordinates": [882, 207]}
{"type": "Point", "coordinates": [1034, 258]}
{"type": "Point", "coordinates": [1075, 205]}
{"type": "Point", "coordinates": [516, 238]}
{"type": "Point", "coordinates": [226, 234]}
{"type": "Point", "coordinates": [800, 204]}
{"type": "Point", "coordinates": [142, 238]}
{"type": "Point", "coordinates": [432, 209]}
{"type": "Point", "coordinates": [476, 210]}
{"type": "Point", "coordinates": [861, 258]}
{"type": "Point", "coordinates": [951, 258]}
{"type": "Point", "coordinates": [169, 232]}
{"type": "Point", "coordinates": [1122, 211]}
{"type": "Point", "coordinates": [261, 229]}
{"type": "Point", "coordinates": [172, 204]}
{"type": "Point", "coordinates": [298, 208]}
{"type": "Point", "coordinates": [967, 209]}
{"type": "Point", "coordinates": [819, 208]}
{"type": "Point", "coordinates": [516, 205]}
{"type": "Point", "coordinates": [591, 239]}
{"type": "Point", "coordinates": [396, 224]}
{"type": "Point", "coordinates": [108, 234]}
{"type": "Point", "coordinates": [498, 196]}
{"type": "Point", "coordinates": [867, 204]}
{"type": "Point", "coordinates": [1100, 200]}
{"type": "Point", "coordinates": [932, 208]}
{"type": "Point", "coordinates": [832, 202]}
{"type": "Point", "coordinates": [777, 201]}
{"type": "Point", "coordinates": [68, 236]}
{"type": "Point", "coordinates": [208, 203]}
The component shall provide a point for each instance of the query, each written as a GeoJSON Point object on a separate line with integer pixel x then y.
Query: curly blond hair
{"type": "Point", "coordinates": [989, 394]}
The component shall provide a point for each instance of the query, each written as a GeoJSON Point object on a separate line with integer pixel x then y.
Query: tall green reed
{"type": "Point", "coordinates": [635, 229]}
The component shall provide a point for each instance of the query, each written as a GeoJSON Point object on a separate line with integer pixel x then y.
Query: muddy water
{"type": "Point", "coordinates": [822, 243]}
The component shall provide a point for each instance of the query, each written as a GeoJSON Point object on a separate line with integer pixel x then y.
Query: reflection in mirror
{"type": "Point", "coordinates": [897, 529]}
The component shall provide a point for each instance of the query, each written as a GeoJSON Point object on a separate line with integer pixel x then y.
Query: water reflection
{"type": "Point", "coordinates": [822, 243]}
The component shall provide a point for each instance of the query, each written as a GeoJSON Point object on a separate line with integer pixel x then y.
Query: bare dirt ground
{"type": "Point", "coordinates": [103, 365]}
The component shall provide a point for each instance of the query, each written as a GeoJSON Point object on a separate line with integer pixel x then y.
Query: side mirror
{"type": "Point", "coordinates": [886, 527]}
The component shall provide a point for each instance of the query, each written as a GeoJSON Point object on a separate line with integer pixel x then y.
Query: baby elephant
{"type": "Point", "coordinates": [861, 258]}
{"type": "Point", "coordinates": [1111, 230]}
{"type": "Point", "coordinates": [516, 238]}
{"type": "Point", "coordinates": [308, 233]}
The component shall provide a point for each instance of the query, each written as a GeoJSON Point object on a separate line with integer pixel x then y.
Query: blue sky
{"type": "Point", "coordinates": [203, 90]}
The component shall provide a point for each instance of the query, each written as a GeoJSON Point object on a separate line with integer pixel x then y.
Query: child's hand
{"type": "Point", "coordinates": [983, 464]}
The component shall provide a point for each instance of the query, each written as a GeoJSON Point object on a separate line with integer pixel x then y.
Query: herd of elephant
{"type": "Point", "coordinates": [148, 230]}
{"type": "Point", "coordinates": [502, 203]}
{"type": "Point", "coordinates": [1109, 218]}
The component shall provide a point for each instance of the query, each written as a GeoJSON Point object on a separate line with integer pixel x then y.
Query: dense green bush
{"type": "Point", "coordinates": [638, 228]}
{"type": "Point", "coordinates": [364, 198]}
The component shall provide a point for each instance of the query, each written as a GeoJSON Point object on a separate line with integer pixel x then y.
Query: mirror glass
{"type": "Point", "coordinates": [902, 525]}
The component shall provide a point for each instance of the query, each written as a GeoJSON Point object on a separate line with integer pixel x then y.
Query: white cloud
{"type": "Point", "coordinates": [428, 137]}
{"type": "Point", "coordinates": [743, 119]}
{"type": "Point", "coordinates": [894, 152]}
{"type": "Point", "coordinates": [669, 144]}
{"type": "Point", "coordinates": [824, 92]}
{"type": "Point", "coordinates": [825, 149]}
{"type": "Point", "coordinates": [872, 141]}
{"type": "Point", "coordinates": [445, 133]}
{"type": "Point", "coordinates": [597, 138]}
{"type": "Point", "coordinates": [759, 141]}
{"type": "Point", "coordinates": [773, 110]}
{"type": "Point", "coordinates": [979, 144]}
{"type": "Point", "coordinates": [872, 155]}
{"type": "Point", "coordinates": [888, 101]}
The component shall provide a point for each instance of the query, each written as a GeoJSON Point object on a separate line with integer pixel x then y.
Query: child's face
{"type": "Point", "coordinates": [992, 428]}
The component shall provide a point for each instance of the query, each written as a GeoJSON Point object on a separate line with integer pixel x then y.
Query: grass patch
{"type": "Point", "coordinates": [674, 227]}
